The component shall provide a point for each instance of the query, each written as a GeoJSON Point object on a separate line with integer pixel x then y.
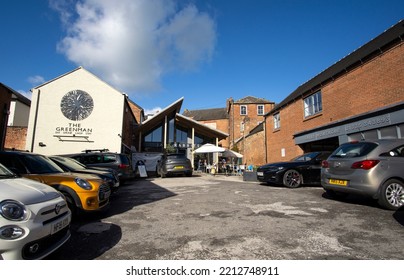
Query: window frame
{"type": "Point", "coordinates": [258, 109]}
{"type": "Point", "coordinates": [312, 105]}
{"type": "Point", "coordinates": [277, 120]}
{"type": "Point", "coordinates": [241, 110]}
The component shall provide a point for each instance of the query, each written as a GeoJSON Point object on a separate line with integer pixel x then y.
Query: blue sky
{"type": "Point", "coordinates": [206, 51]}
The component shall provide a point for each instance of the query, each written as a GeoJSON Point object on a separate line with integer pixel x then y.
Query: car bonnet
{"type": "Point", "coordinates": [26, 191]}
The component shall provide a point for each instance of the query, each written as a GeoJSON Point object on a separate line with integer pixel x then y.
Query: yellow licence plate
{"type": "Point", "coordinates": [338, 182]}
{"type": "Point", "coordinates": [178, 167]}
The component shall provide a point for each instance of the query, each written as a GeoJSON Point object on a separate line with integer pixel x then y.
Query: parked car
{"type": "Point", "coordinates": [371, 168]}
{"type": "Point", "coordinates": [83, 192]}
{"type": "Point", "coordinates": [304, 169]}
{"type": "Point", "coordinates": [34, 218]}
{"type": "Point", "coordinates": [102, 158]}
{"type": "Point", "coordinates": [71, 165]}
{"type": "Point", "coordinates": [174, 164]}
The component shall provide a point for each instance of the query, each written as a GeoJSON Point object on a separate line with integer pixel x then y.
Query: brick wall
{"type": "Point", "coordinates": [222, 125]}
{"type": "Point", "coordinates": [16, 138]}
{"type": "Point", "coordinates": [378, 83]}
{"type": "Point", "coordinates": [254, 149]}
{"type": "Point", "coordinates": [251, 120]}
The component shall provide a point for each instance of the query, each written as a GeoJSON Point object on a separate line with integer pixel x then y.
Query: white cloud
{"type": "Point", "coordinates": [133, 43]}
{"type": "Point", "coordinates": [152, 111]}
{"type": "Point", "coordinates": [36, 80]}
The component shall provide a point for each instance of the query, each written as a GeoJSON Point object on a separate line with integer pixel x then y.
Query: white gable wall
{"type": "Point", "coordinates": [48, 125]}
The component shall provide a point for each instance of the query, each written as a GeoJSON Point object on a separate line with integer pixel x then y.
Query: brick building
{"type": "Point", "coordinates": [216, 118]}
{"type": "Point", "coordinates": [359, 97]}
{"type": "Point", "coordinates": [240, 119]}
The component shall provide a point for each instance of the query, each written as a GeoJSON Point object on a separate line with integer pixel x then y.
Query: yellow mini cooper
{"type": "Point", "coordinates": [83, 192]}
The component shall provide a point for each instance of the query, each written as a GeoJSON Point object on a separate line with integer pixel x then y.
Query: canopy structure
{"type": "Point", "coordinates": [209, 148]}
{"type": "Point", "coordinates": [231, 153]}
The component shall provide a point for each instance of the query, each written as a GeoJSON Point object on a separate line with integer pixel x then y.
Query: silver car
{"type": "Point", "coordinates": [372, 168]}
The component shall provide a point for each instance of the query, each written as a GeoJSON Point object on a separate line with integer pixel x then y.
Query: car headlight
{"type": "Point", "coordinates": [84, 184]}
{"type": "Point", "coordinates": [13, 210]}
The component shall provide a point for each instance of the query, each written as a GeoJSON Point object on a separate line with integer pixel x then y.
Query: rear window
{"type": "Point", "coordinates": [109, 158]}
{"type": "Point", "coordinates": [176, 156]}
{"type": "Point", "coordinates": [351, 150]}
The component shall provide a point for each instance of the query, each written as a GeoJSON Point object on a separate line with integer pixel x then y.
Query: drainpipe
{"type": "Point", "coordinates": [265, 139]}
{"type": "Point", "coordinates": [35, 121]}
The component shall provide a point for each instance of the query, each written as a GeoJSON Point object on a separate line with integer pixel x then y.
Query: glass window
{"type": "Point", "coordinates": [277, 121]}
{"type": "Point", "coordinates": [155, 136]}
{"type": "Point", "coordinates": [260, 110]}
{"type": "Point", "coordinates": [243, 110]}
{"type": "Point", "coordinates": [181, 135]}
{"type": "Point", "coordinates": [313, 104]}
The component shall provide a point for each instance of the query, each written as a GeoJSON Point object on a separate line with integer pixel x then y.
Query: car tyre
{"type": "Point", "coordinates": [292, 179]}
{"type": "Point", "coordinates": [70, 203]}
{"type": "Point", "coordinates": [392, 194]}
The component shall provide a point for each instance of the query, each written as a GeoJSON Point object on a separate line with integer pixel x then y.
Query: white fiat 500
{"type": "Point", "coordinates": [34, 218]}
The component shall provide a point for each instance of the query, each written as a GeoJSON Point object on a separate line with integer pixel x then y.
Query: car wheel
{"type": "Point", "coordinates": [392, 194]}
{"type": "Point", "coordinates": [292, 179]}
{"type": "Point", "coordinates": [71, 204]}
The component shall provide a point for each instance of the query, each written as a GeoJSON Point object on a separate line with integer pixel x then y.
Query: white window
{"type": "Point", "coordinates": [277, 121]}
{"type": "Point", "coordinates": [243, 110]}
{"type": "Point", "coordinates": [260, 110]}
{"type": "Point", "coordinates": [313, 104]}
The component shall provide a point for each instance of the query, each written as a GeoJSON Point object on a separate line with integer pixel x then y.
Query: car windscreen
{"type": "Point", "coordinates": [355, 149]}
{"type": "Point", "coordinates": [72, 164]}
{"type": "Point", "coordinates": [305, 157]}
{"type": "Point", "coordinates": [38, 164]}
{"type": "Point", "coordinates": [4, 172]}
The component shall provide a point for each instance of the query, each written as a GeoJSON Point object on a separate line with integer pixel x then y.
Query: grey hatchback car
{"type": "Point", "coordinates": [174, 164]}
{"type": "Point", "coordinates": [371, 168]}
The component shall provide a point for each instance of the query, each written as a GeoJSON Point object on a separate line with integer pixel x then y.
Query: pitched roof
{"type": "Point", "coordinates": [385, 41]}
{"type": "Point", "coordinates": [17, 96]}
{"type": "Point", "coordinates": [252, 100]}
{"type": "Point", "coordinates": [207, 114]}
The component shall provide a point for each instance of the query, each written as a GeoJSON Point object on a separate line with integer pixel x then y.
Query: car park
{"type": "Point", "coordinates": [304, 169]}
{"type": "Point", "coordinates": [71, 165]}
{"type": "Point", "coordinates": [34, 218]}
{"type": "Point", "coordinates": [83, 192]}
{"type": "Point", "coordinates": [174, 164]}
{"type": "Point", "coordinates": [370, 168]}
{"type": "Point", "coordinates": [119, 162]}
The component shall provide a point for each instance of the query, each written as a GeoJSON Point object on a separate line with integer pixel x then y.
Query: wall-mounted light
{"type": "Point", "coordinates": [41, 144]}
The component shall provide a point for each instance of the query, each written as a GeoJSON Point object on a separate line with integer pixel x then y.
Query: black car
{"type": "Point", "coordinates": [174, 164]}
{"type": "Point", "coordinates": [72, 165]}
{"type": "Point", "coordinates": [304, 169]}
{"type": "Point", "coordinates": [119, 162]}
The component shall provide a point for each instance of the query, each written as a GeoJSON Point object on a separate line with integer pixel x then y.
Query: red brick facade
{"type": "Point", "coordinates": [16, 138]}
{"type": "Point", "coordinates": [241, 124]}
{"type": "Point", "coordinates": [377, 83]}
{"type": "Point", "coordinates": [222, 125]}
